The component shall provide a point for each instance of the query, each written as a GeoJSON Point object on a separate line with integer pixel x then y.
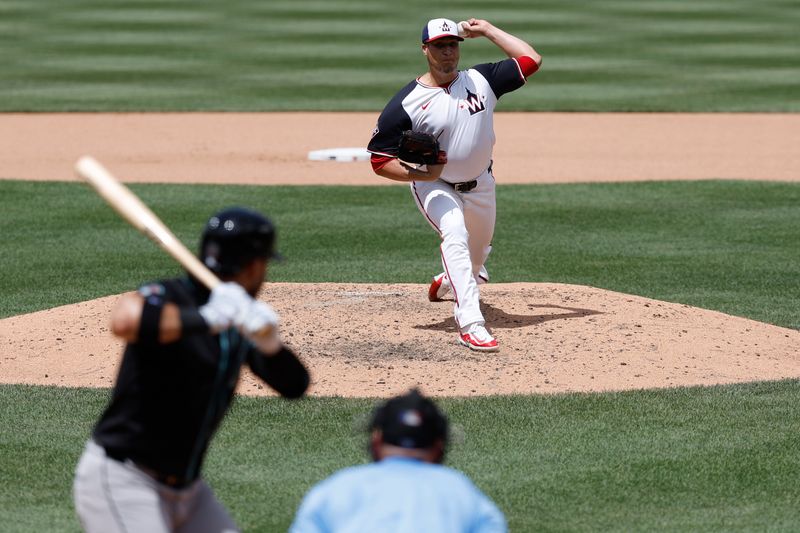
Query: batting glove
{"type": "Point", "coordinates": [226, 303]}
{"type": "Point", "coordinates": [260, 325]}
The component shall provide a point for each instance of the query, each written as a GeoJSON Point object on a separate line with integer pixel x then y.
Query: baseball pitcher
{"type": "Point", "coordinates": [450, 168]}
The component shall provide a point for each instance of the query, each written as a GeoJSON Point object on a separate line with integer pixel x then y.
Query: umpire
{"type": "Point", "coordinates": [185, 347]}
{"type": "Point", "coordinates": [406, 489]}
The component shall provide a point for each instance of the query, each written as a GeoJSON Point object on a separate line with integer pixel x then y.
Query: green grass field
{"type": "Point", "coordinates": [698, 459]}
{"type": "Point", "coordinates": [691, 459]}
{"type": "Point", "coordinates": [246, 55]}
{"type": "Point", "coordinates": [702, 459]}
{"type": "Point", "coordinates": [729, 246]}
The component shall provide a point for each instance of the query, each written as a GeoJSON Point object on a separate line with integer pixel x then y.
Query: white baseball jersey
{"type": "Point", "coordinates": [460, 115]}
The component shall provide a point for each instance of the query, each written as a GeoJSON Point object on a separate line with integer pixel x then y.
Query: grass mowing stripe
{"type": "Point", "coordinates": [700, 243]}
{"type": "Point", "coordinates": [244, 55]}
{"type": "Point", "coordinates": [698, 459]}
{"type": "Point", "coordinates": [729, 246]}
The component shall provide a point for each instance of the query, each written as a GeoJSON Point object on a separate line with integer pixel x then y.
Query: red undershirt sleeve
{"type": "Point", "coordinates": [527, 65]}
{"type": "Point", "coordinates": [379, 161]}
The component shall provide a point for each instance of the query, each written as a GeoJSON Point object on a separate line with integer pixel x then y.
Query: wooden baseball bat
{"type": "Point", "coordinates": [142, 218]}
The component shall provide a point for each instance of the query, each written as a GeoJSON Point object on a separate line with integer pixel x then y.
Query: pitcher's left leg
{"type": "Point", "coordinates": [479, 218]}
{"type": "Point", "coordinates": [444, 210]}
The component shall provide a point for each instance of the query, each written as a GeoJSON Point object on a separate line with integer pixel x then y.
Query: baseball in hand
{"type": "Point", "coordinates": [462, 28]}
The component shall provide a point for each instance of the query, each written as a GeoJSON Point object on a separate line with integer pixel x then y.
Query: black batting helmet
{"type": "Point", "coordinates": [234, 237]}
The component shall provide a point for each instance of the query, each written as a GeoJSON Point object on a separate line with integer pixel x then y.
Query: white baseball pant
{"type": "Point", "coordinates": [465, 222]}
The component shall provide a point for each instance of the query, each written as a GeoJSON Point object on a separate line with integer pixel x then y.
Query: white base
{"type": "Point", "coordinates": [343, 155]}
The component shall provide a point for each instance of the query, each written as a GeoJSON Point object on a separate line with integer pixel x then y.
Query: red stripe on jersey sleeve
{"type": "Point", "coordinates": [379, 161]}
{"type": "Point", "coordinates": [527, 65]}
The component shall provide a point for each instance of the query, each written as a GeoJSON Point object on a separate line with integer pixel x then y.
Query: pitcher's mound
{"type": "Point", "coordinates": [377, 340]}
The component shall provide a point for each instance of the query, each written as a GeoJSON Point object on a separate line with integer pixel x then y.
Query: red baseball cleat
{"type": "Point", "coordinates": [478, 338]}
{"type": "Point", "coordinates": [439, 287]}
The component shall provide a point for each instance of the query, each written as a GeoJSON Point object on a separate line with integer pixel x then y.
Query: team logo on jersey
{"type": "Point", "coordinates": [474, 103]}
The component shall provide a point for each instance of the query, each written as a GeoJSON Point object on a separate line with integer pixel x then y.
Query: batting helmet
{"type": "Point", "coordinates": [234, 237]}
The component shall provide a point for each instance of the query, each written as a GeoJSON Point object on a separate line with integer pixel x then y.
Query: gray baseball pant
{"type": "Point", "coordinates": [117, 497]}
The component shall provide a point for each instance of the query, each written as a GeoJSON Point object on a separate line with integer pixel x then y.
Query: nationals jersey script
{"type": "Point", "coordinates": [460, 115]}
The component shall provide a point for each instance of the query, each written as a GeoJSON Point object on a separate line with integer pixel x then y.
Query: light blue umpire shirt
{"type": "Point", "coordinates": [398, 494]}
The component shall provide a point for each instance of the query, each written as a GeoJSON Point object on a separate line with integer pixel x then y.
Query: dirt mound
{"type": "Point", "coordinates": [376, 340]}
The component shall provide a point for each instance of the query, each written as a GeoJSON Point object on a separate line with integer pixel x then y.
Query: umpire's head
{"type": "Point", "coordinates": [410, 426]}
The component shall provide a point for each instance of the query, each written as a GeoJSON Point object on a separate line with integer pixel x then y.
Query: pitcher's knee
{"type": "Point", "coordinates": [455, 235]}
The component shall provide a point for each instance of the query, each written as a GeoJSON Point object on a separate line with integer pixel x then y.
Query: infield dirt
{"type": "Point", "coordinates": [376, 340]}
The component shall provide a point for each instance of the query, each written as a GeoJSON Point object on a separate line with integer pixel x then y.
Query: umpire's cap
{"type": "Point", "coordinates": [234, 237]}
{"type": "Point", "coordinates": [410, 421]}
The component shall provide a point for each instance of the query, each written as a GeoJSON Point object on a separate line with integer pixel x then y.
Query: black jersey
{"type": "Point", "coordinates": [170, 398]}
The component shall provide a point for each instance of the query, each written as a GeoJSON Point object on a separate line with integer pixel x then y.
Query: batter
{"type": "Point", "coordinates": [457, 198]}
{"type": "Point", "coordinates": [141, 469]}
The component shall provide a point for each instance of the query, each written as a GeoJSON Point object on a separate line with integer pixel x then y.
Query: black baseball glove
{"type": "Point", "coordinates": [420, 148]}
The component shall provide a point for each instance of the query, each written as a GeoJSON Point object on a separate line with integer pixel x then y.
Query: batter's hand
{"type": "Point", "coordinates": [226, 303]}
{"type": "Point", "coordinates": [259, 323]}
